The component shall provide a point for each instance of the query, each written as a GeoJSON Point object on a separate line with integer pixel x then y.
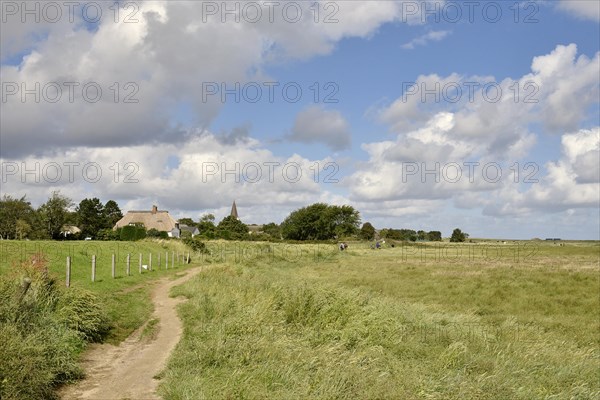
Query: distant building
{"type": "Point", "coordinates": [68, 230]}
{"type": "Point", "coordinates": [234, 212]}
{"type": "Point", "coordinates": [193, 230]}
{"type": "Point", "coordinates": [155, 219]}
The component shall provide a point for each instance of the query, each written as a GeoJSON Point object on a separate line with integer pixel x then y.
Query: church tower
{"type": "Point", "coordinates": [234, 212]}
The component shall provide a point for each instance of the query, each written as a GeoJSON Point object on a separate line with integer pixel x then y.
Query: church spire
{"type": "Point", "coordinates": [234, 212]}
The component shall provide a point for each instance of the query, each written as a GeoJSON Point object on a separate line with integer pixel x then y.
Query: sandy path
{"type": "Point", "coordinates": [127, 371]}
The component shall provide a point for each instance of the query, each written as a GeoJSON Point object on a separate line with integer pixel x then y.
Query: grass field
{"type": "Point", "coordinates": [485, 321]}
{"type": "Point", "coordinates": [491, 320]}
{"type": "Point", "coordinates": [125, 298]}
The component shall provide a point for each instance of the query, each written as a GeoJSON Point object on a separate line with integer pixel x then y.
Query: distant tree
{"type": "Point", "coordinates": [272, 229]}
{"type": "Point", "coordinates": [22, 229]}
{"type": "Point", "coordinates": [54, 213]}
{"type": "Point", "coordinates": [13, 210]}
{"type": "Point", "coordinates": [399, 234]}
{"type": "Point", "coordinates": [458, 236]}
{"type": "Point", "coordinates": [232, 228]}
{"type": "Point", "coordinates": [206, 226]}
{"type": "Point", "coordinates": [320, 221]}
{"type": "Point", "coordinates": [90, 217]}
{"type": "Point", "coordinates": [343, 220]}
{"type": "Point", "coordinates": [367, 231]}
{"type": "Point", "coordinates": [112, 214]}
{"type": "Point", "coordinates": [434, 236]}
{"type": "Point", "coordinates": [207, 218]}
{"type": "Point", "coordinates": [421, 235]}
{"type": "Point", "coordinates": [187, 221]}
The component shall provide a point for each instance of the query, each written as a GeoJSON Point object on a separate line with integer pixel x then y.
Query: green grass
{"type": "Point", "coordinates": [493, 321]}
{"type": "Point", "coordinates": [125, 298]}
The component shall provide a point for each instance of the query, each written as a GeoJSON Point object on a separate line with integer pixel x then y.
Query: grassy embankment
{"type": "Point", "coordinates": [493, 321]}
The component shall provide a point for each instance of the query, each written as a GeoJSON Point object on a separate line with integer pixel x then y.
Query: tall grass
{"type": "Point", "coordinates": [375, 324]}
{"type": "Point", "coordinates": [42, 330]}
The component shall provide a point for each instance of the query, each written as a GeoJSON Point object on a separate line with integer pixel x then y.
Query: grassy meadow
{"type": "Point", "coordinates": [426, 321]}
{"type": "Point", "coordinates": [489, 320]}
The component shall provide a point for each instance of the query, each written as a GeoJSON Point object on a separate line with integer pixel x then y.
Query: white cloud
{"type": "Point", "coordinates": [433, 36]}
{"type": "Point", "coordinates": [168, 55]}
{"type": "Point", "coordinates": [585, 9]}
{"type": "Point", "coordinates": [436, 136]}
{"type": "Point", "coordinates": [208, 175]}
{"type": "Point", "coordinates": [317, 125]}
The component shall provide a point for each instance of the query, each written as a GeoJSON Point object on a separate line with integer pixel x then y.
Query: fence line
{"type": "Point", "coordinates": [176, 258]}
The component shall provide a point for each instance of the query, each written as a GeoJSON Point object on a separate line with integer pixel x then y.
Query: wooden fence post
{"type": "Point", "coordinates": [187, 261]}
{"type": "Point", "coordinates": [113, 269]}
{"type": "Point", "coordinates": [68, 280]}
{"type": "Point", "coordinates": [150, 262]}
{"type": "Point", "coordinates": [128, 263]}
{"type": "Point", "coordinates": [25, 284]}
{"type": "Point", "coordinates": [94, 268]}
{"type": "Point", "coordinates": [173, 259]}
{"type": "Point", "coordinates": [158, 260]}
{"type": "Point", "coordinates": [166, 260]}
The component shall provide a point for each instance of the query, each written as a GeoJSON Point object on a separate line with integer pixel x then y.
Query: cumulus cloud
{"type": "Point", "coordinates": [208, 175]}
{"type": "Point", "coordinates": [151, 68]}
{"type": "Point", "coordinates": [584, 9]}
{"type": "Point", "coordinates": [494, 115]}
{"type": "Point", "coordinates": [317, 125]}
{"type": "Point", "coordinates": [478, 138]}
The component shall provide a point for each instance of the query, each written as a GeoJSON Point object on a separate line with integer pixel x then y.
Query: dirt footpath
{"type": "Point", "coordinates": [127, 371]}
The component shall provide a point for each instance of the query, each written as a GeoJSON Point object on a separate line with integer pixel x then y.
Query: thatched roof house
{"type": "Point", "coordinates": [157, 219]}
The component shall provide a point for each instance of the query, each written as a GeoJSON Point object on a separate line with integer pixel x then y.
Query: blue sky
{"type": "Point", "coordinates": [175, 135]}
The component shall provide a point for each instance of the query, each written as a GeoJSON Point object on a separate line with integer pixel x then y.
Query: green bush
{"type": "Point", "coordinates": [132, 233]}
{"type": "Point", "coordinates": [196, 245]}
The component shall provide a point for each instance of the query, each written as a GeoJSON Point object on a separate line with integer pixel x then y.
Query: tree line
{"type": "Point", "coordinates": [20, 220]}
{"type": "Point", "coordinates": [319, 221]}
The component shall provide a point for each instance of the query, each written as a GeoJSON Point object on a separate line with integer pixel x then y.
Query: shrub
{"type": "Point", "coordinates": [131, 233]}
{"type": "Point", "coordinates": [196, 245]}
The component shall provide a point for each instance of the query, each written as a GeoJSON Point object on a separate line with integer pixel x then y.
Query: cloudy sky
{"type": "Point", "coordinates": [421, 114]}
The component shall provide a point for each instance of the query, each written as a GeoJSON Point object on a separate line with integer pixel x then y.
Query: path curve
{"type": "Point", "coordinates": [127, 371]}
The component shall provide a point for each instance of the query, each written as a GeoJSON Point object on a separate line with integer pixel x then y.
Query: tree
{"type": "Point", "coordinates": [22, 229]}
{"type": "Point", "coordinates": [367, 231]}
{"type": "Point", "coordinates": [11, 211]}
{"type": "Point", "coordinates": [272, 229]}
{"type": "Point", "coordinates": [458, 236]}
{"type": "Point", "coordinates": [232, 228]}
{"type": "Point", "coordinates": [54, 213]}
{"type": "Point", "coordinates": [187, 221]}
{"type": "Point", "coordinates": [399, 234]}
{"type": "Point", "coordinates": [112, 214]}
{"type": "Point", "coordinates": [421, 235]}
{"type": "Point", "coordinates": [206, 226]}
{"type": "Point", "coordinates": [91, 217]}
{"type": "Point", "coordinates": [320, 221]}
{"type": "Point", "coordinates": [434, 236]}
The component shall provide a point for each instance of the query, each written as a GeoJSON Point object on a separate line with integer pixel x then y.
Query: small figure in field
{"type": "Point", "coordinates": [343, 246]}
{"type": "Point", "coordinates": [378, 245]}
